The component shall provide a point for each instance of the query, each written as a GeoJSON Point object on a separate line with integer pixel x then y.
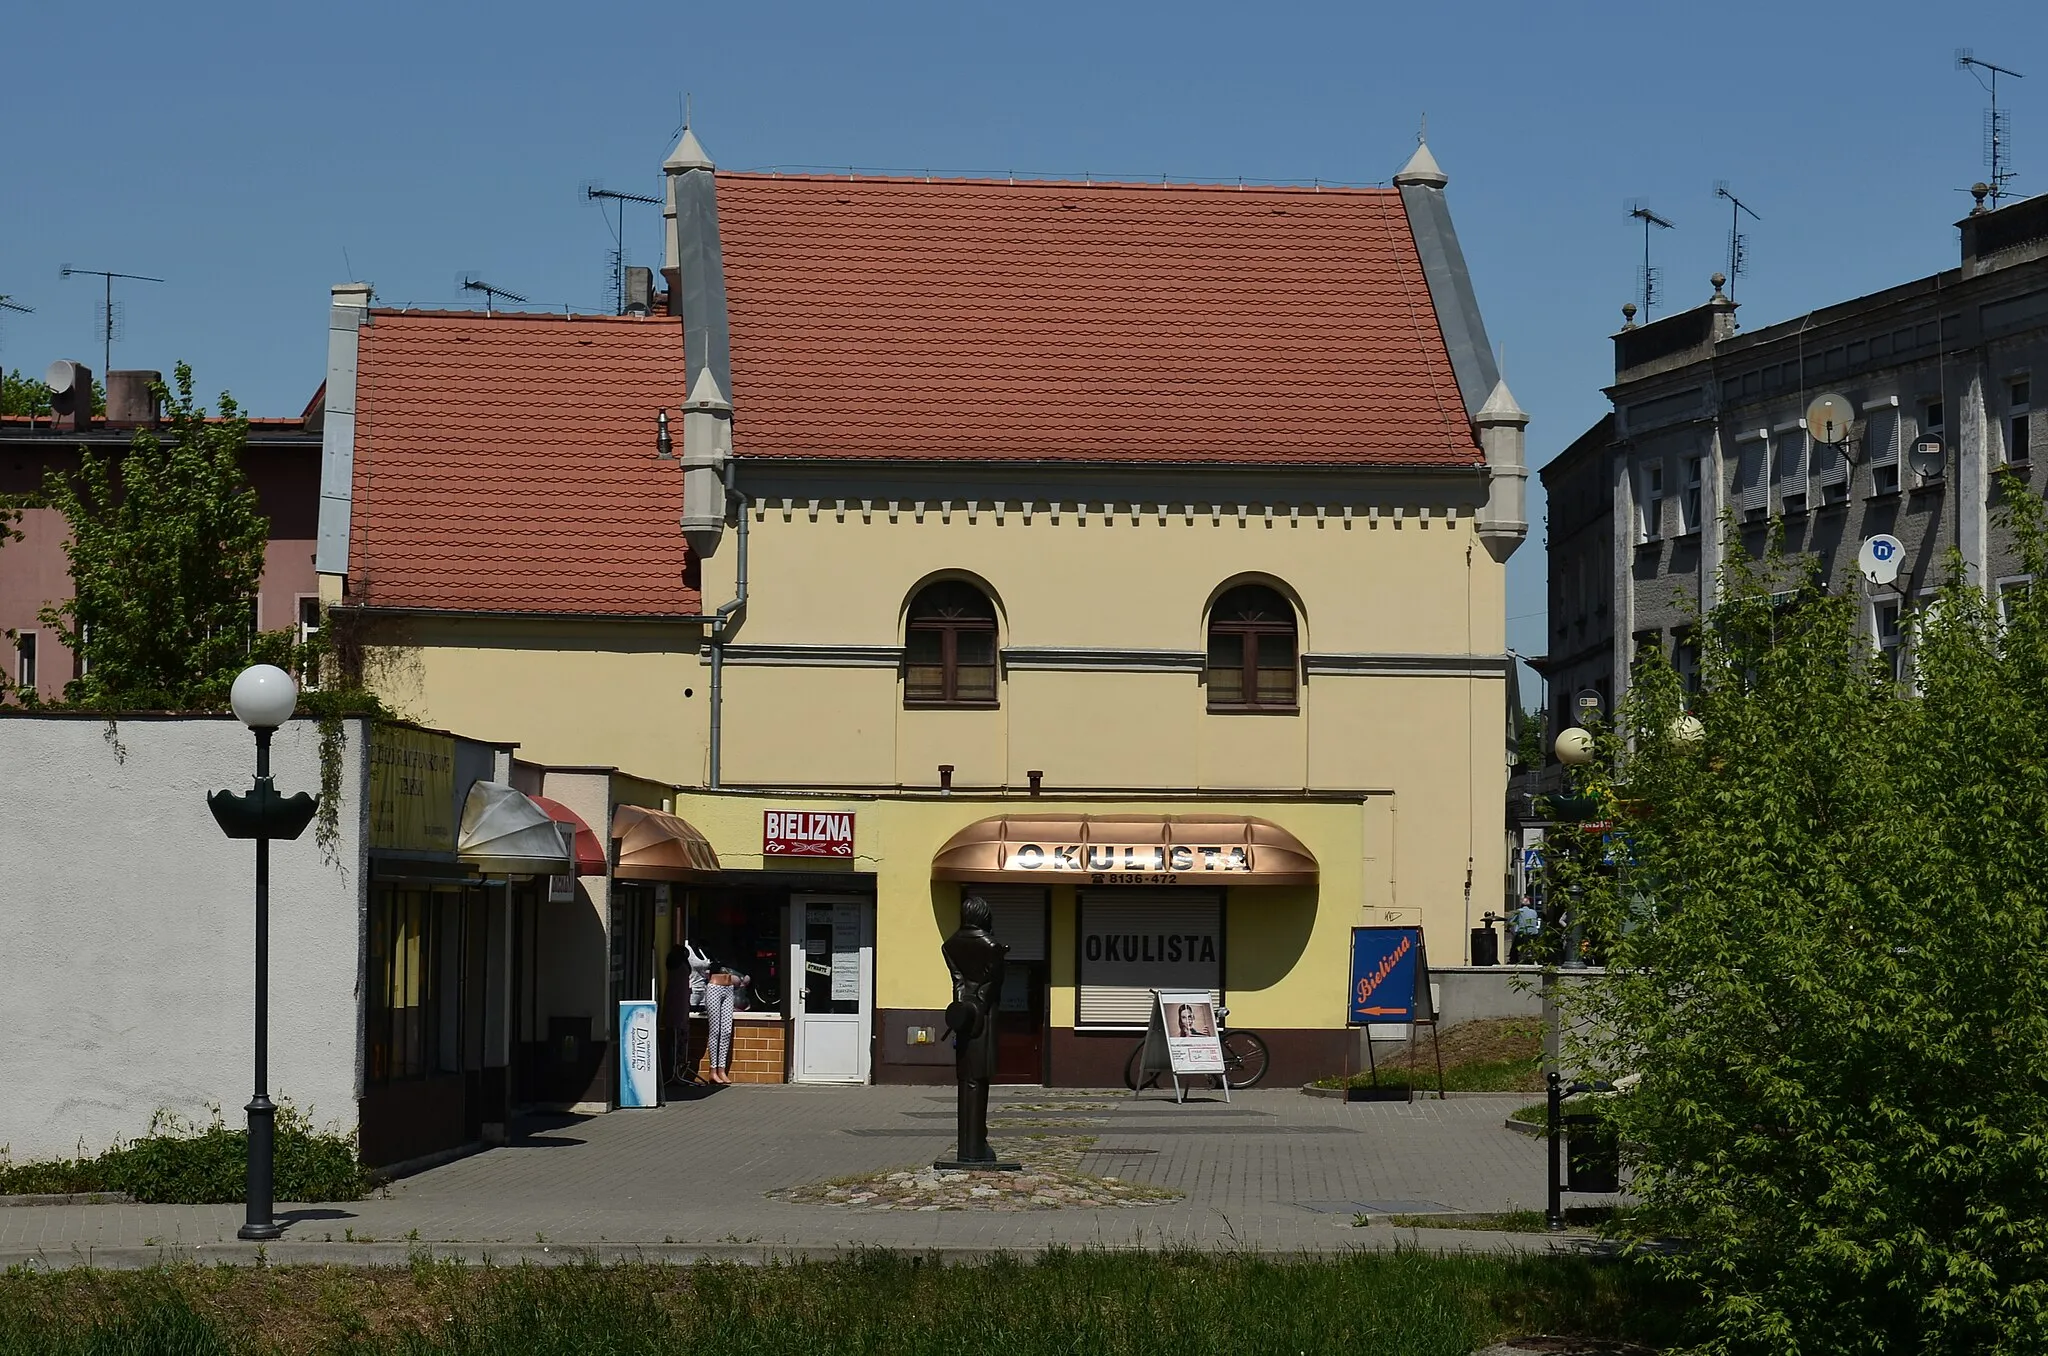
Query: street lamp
{"type": "Point", "coordinates": [263, 698]}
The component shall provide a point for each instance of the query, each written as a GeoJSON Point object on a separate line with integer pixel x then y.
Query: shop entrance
{"type": "Point", "coordinates": [832, 971]}
{"type": "Point", "coordinates": [1021, 922]}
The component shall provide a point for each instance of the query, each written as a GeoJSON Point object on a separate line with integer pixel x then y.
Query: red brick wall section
{"type": "Point", "coordinates": [760, 1051]}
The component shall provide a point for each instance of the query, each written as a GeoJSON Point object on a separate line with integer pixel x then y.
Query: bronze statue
{"type": "Point", "coordinates": [976, 959]}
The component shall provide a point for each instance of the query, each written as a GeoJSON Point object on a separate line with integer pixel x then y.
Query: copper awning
{"type": "Point", "coordinates": [1126, 850]}
{"type": "Point", "coordinates": [658, 846]}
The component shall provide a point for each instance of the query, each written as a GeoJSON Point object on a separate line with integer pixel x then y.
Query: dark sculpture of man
{"type": "Point", "coordinates": [976, 959]}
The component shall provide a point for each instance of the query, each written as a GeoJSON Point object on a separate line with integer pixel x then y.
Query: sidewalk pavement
{"type": "Point", "coordinates": [1273, 1171]}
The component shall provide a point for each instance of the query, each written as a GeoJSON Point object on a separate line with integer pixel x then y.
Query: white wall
{"type": "Point", "coordinates": [127, 929]}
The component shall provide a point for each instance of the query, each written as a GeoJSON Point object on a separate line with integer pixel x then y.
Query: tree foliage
{"type": "Point", "coordinates": [1529, 750]}
{"type": "Point", "coordinates": [1826, 938]}
{"type": "Point", "coordinates": [166, 552]}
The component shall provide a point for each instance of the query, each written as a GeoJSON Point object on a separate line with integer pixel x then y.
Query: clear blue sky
{"type": "Point", "coordinates": [256, 155]}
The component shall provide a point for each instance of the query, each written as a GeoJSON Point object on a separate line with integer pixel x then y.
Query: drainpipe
{"type": "Point", "coordinates": [727, 616]}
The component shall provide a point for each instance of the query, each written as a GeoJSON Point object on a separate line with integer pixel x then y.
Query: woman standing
{"type": "Point", "coordinates": [719, 989]}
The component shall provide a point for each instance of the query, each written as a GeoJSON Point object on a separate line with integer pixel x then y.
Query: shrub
{"type": "Point", "coordinates": [1824, 930]}
{"type": "Point", "coordinates": [178, 1163]}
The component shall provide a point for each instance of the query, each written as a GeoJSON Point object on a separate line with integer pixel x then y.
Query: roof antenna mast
{"type": "Point", "coordinates": [596, 192]}
{"type": "Point", "coordinates": [1738, 243]}
{"type": "Point", "coordinates": [1997, 133]}
{"type": "Point", "coordinates": [110, 319]}
{"type": "Point", "coordinates": [1640, 210]}
{"type": "Point", "coordinates": [471, 283]}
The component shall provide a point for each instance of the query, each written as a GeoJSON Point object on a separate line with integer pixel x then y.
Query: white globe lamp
{"type": "Point", "coordinates": [264, 696]}
{"type": "Point", "coordinates": [1687, 731]}
{"type": "Point", "coordinates": [1574, 747]}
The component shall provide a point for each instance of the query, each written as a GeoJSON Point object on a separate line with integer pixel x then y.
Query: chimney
{"type": "Point", "coordinates": [70, 386]}
{"type": "Point", "coordinates": [131, 399]}
{"type": "Point", "coordinates": [639, 290]}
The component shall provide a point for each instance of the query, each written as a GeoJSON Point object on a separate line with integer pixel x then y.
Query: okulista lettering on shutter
{"type": "Point", "coordinates": [1149, 860]}
{"type": "Point", "coordinates": [1150, 947]}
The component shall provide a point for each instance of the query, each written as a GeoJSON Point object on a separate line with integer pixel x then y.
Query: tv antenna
{"type": "Point", "coordinates": [596, 192]}
{"type": "Point", "coordinates": [1997, 135]}
{"type": "Point", "coordinates": [471, 283]}
{"type": "Point", "coordinates": [1640, 210]}
{"type": "Point", "coordinates": [1738, 243]}
{"type": "Point", "coordinates": [8, 303]}
{"type": "Point", "coordinates": [110, 319]}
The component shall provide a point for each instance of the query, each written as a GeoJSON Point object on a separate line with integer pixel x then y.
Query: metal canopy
{"type": "Point", "coordinates": [1126, 849]}
{"type": "Point", "coordinates": [654, 845]}
{"type": "Point", "coordinates": [504, 833]}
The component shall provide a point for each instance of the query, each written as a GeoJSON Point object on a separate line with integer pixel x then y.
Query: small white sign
{"type": "Point", "coordinates": [1881, 557]}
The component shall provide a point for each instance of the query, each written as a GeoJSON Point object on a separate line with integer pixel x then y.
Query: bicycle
{"type": "Point", "coordinates": [1245, 1058]}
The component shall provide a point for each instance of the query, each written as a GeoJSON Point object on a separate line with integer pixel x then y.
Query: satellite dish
{"type": "Point", "coordinates": [61, 376]}
{"type": "Point", "coordinates": [1881, 557]}
{"type": "Point", "coordinates": [1927, 456]}
{"type": "Point", "coordinates": [1828, 419]}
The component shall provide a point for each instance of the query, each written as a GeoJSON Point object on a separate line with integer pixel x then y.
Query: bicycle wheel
{"type": "Point", "coordinates": [1244, 1058]}
{"type": "Point", "coordinates": [1131, 1070]}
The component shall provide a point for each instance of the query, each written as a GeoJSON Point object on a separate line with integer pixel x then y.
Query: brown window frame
{"type": "Point", "coordinates": [949, 629]}
{"type": "Point", "coordinates": [1246, 633]}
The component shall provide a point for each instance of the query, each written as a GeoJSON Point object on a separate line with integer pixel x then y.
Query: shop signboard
{"type": "Point", "coordinates": [1181, 1039]}
{"type": "Point", "coordinates": [807, 833]}
{"type": "Point", "coordinates": [412, 789]}
{"type": "Point", "coordinates": [1389, 976]}
{"type": "Point", "coordinates": [639, 1054]}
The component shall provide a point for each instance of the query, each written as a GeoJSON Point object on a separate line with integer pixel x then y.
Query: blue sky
{"type": "Point", "coordinates": [257, 153]}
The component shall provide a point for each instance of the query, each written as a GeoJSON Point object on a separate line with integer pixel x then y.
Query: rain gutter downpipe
{"type": "Point", "coordinates": [729, 615]}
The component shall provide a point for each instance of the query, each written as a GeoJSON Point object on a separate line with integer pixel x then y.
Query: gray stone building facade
{"type": "Point", "coordinates": [1709, 419]}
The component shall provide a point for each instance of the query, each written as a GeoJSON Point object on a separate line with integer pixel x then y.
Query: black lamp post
{"type": "Point", "coordinates": [263, 697]}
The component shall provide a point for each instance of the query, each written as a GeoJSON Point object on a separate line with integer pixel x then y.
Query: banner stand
{"type": "Point", "coordinates": [1195, 1051]}
{"type": "Point", "coordinates": [1389, 965]}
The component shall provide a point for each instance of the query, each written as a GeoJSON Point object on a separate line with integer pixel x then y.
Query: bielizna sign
{"type": "Point", "coordinates": [806, 833]}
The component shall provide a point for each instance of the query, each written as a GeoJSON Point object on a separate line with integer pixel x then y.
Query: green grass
{"type": "Point", "coordinates": [1099, 1303]}
{"type": "Point", "coordinates": [1494, 1075]}
{"type": "Point", "coordinates": [1578, 1218]}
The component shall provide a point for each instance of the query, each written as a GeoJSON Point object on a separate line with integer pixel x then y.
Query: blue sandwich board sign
{"type": "Point", "coordinates": [1389, 976]}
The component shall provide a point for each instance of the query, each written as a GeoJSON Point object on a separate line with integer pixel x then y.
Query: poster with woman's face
{"type": "Point", "coordinates": [1189, 1020]}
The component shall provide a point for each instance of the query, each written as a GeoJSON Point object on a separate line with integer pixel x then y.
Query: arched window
{"type": "Point", "coordinates": [950, 647]}
{"type": "Point", "coordinates": [1252, 651]}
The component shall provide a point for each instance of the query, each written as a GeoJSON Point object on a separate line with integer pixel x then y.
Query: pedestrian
{"type": "Point", "coordinates": [1523, 926]}
{"type": "Point", "coordinates": [721, 987]}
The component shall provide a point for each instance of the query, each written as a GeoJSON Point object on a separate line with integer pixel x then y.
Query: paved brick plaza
{"type": "Point", "coordinates": [1274, 1171]}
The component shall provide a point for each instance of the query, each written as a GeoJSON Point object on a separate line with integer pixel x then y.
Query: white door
{"type": "Point", "coordinates": [832, 961]}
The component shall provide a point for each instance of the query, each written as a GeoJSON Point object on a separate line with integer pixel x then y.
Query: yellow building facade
{"type": "Point", "coordinates": [1188, 690]}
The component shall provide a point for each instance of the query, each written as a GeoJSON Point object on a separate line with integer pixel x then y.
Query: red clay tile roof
{"type": "Point", "coordinates": [956, 319]}
{"type": "Point", "coordinates": [506, 464]}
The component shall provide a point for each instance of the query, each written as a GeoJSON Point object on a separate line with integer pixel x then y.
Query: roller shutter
{"type": "Point", "coordinates": [1019, 917]}
{"type": "Point", "coordinates": [1882, 438]}
{"type": "Point", "coordinates": [1752, 494]}
{"type": "Point", "coordinates": [1133, 941]}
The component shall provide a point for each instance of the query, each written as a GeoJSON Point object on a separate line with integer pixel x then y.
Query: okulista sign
{"type": "Point", "coordinates": [1149, 861]}
{"type": "Point", "coordinates": [806, 833]}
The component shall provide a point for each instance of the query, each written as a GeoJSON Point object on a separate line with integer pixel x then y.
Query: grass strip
{"type": "Point", "coordinates": [1407, 1303]}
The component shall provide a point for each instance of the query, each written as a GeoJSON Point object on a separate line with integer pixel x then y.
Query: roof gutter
{"type": "Point", "coordinates": [729, 615]}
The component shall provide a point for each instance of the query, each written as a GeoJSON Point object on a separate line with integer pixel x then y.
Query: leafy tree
{"type": "Point", "coordinates": [1529, 750]}
{"type": "Point", "coordinates": [1825, 937]}
{"type": "Point", "coordinates": [166, 552]}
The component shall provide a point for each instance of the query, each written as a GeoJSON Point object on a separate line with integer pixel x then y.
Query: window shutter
{"type": "Point", "coordinates": [1140, 939]}
{"type": "Point", "coordinates": [1791, 472]}
{"type": "Point", "coordinates": [1750, 489]}
{"type": "Point", "coordinates": [1830, 466]}
{"type": "Point", "coordinates": [1019, 917]}
{"type": "Point", "coordinates": [1881, 436]}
